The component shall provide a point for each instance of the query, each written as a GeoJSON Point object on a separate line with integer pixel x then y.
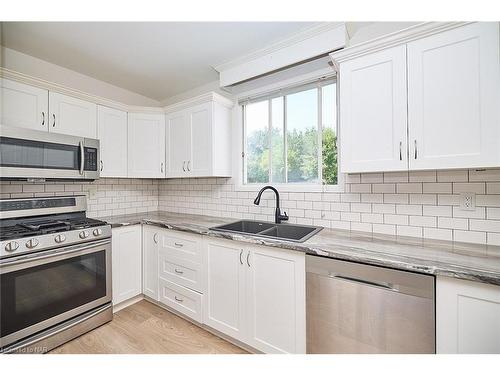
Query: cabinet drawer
{"type": "Point", "coordinates": [180, 271]}
{"type": "Point", "coordinates": [182, 246]}
{"type": "Point", "coordinates": [181, 299]}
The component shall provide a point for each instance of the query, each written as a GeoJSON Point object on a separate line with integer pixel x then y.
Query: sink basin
{"type": "Point", "coordinates": [289, 232]}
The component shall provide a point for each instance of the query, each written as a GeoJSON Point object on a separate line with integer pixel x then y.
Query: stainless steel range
{"type": "Point", "coordinates": [55, 272]}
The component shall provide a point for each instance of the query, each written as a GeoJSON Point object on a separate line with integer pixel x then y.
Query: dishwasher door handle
{"type": "Point", "coordinates": [388, 286]}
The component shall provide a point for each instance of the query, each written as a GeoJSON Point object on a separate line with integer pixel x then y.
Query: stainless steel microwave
{"type": "Point", "coordinates": [31, 154]}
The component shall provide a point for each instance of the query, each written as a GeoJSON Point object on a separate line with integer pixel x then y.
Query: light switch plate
{"type": "Point", "coordinates": [467, 201]}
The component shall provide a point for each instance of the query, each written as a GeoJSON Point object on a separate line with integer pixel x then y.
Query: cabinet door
{"type": "Point", "coordinates": [467, 317]}
{"type": "Point", "coordinates": [179, 144]}
{"type": "Point", "coordinates": [126, 263]}
{"type": "Point", "coordinates": [276, 300]}
{"type": "Point", "coordinates": [24, 106]}
{"type": "Point", "coordinates": [146, 145]}
{"type": "Point", "coordinates": [72, 116]}
{"type": "Point", "coordinates": [112, 134]}
{"type": "Point", "coordinates": [151, 236]}
{"type": "Point", "coordinates": [225, 298]}
{"type": "Point", "coordinates": [200, 160]}
{"type": "Point", "coordinates": [453, 99]}
{"type": "Point", "coordinates": [373, 112]}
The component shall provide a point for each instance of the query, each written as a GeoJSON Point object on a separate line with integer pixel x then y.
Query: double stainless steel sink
{"type": "Point", "coordinates": [288, 232]}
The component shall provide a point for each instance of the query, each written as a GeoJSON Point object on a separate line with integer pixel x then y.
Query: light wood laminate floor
{"type": "Point", "coordinates": [144, 328]}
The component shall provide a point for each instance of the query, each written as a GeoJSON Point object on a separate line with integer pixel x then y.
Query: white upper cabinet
{"type": "Point", "coordinates": [68, 115]}
{"type": "Point", "coordinates": [146, 145]}
{"type": "Point", "coordinates": [373, 112]}
{"type": "Point", "coordinates": [199, 138]}
{"type": "Point", "coordinates": [178, 144]}
{"type": "Point", "coordinates": [24, 106]}
{"type": "Point", "coordinates": [112, 134]}
{"type": "Point", "coordinates": [443, 90]}
{"type": "Point", "coordinates": [453, 99]}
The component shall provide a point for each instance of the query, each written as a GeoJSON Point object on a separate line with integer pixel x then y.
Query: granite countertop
{"type": "Point", "coordinates": [459, 260]}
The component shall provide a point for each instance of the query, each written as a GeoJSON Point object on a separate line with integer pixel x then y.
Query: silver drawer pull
{"type": "Point", "coordinates": [178, 244]}
{"type": "Point", "coordinates": [178, 271]}
{"type": "Point", "coordinates": [178, 299]}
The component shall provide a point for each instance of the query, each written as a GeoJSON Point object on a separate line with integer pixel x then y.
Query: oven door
{"type": "Point", "coordinates": [41, 290]}
{"type": "Point", "coordinates": [28, 153]}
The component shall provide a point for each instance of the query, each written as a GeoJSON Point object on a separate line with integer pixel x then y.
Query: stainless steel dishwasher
{"type": "Point", "coordinates": [357, 308]}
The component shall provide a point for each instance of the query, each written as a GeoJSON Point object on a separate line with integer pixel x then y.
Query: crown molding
{"type": "Point", "coordinates": [200, 99]}
{"type": "Point", "coordinates": [54, 87]}
{"type": "Point", "coordinates": [393, 39]}
{"type": "Point", "coordinates": [284, 43]}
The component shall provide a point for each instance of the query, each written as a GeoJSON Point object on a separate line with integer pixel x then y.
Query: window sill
{"type": "Point", "coordinates": [291, 188]}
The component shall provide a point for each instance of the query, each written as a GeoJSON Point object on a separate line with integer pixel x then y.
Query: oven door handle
{"type": "Point", "coordinates": [82, 157]}
{"type": "Point", "coordinates": [51, 254]}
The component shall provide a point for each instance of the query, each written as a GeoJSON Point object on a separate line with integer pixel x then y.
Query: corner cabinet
{"type": "Point", "coordinates": [112, 134]}
{"type": "Point", "coordinates": [146, 145]}
{"type": "Point", "coordinates": [467, 317]}
{"type": "Point", "coordinates": [150, 244]}
{"type": "Point", "coordinates": [256, 295]}
{"type": "Point", "coordinates": [442, 90]}
{"type": "Point", "coordinates": [198, 137]}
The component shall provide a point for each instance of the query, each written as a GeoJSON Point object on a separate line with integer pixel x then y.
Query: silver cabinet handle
{"type": "Point", "coordinates": [178, 299]}
{"type": "Point", "coordinates": [400, 150]}
{"type": "Point", "coordinates": [102, 165]}
{"type": "Point", "coordinates": [43, 118]}
{"type": "Point", "coordinates": [184, 166]}
{"type": "Point", "coordinates": [161, 167]}
{"type": "Point", "coordinates": [155, 238]}
{"type": "Point", "coordinates": [188, 168]}
{"type": "Point", "coordinates": [178, 244]}
{"type": "Point", "coordinates": [248, 259]}
{"type": "Point", "coordinates": [241, 253]}
{"type": "Point", "coordinates": [54, 117]}
{"type": "Point", "coordinates": [178, 271]}
{"type": "Point", "coordinates": [416, 154]}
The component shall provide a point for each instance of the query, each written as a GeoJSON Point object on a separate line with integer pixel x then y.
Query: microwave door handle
{"type": "Point", "coordinates": [82, 157]}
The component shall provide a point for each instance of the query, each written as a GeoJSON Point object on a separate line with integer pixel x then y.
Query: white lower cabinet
{"type": "Point", "coordinates": [276, 300]}
{"type": "Point", "coordinates": [126, 263]}
{"type": "Point", "coordinates": [184, 300]}
{"type": "Point", "coordinates": [467, 317]}
{"type": "Point", "coordinates": [256, 295]}
{"type": "Point", "coordinates": [150, 244]}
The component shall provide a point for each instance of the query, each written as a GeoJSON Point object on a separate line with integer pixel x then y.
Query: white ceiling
{"type": "Point", "coordinates": [155, 59]}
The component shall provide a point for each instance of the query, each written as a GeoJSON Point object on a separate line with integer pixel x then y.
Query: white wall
{"type": "Point", "coordinates": [37, 68]}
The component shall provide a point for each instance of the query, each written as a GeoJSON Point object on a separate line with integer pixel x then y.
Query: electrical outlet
{"type": "Point", "coordinates": [467, 201]}
{"type": "Point", "coordinates": [92, 192]}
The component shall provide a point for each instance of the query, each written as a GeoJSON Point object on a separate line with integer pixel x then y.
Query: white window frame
{"type": "Point", "coordinates": [239, 165]}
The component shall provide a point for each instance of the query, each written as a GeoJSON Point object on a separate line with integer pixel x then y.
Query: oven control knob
{"type": "Point", "coordinates": [60, 238]}
{"type": "Point", "coordinates": [11, 246]}
{"type": "Point", "coordinates": [31, 244]}
{"type": "Point", "coordinates": [97, 232]}
{"type": "Point", "coordinates": [84, 234]}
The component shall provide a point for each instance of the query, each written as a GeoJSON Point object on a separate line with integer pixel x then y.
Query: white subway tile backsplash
{"type": "Point", "coordinates": [417, 204]}
{"type": "Point", "coordinates": [469, 236]}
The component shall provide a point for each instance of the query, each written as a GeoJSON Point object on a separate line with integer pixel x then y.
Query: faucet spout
{"type": "Point", "coordinates": [278, 216]}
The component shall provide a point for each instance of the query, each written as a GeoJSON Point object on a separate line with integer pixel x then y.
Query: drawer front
{"type": "Point", "coordinates": [182, 246]}
{"type": "Point", "coordinates": [181, 299]}
{"type": "Point", "coordinates": [180, 271]}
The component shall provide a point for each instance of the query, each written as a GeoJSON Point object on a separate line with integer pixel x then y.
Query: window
{"type": "Point", "coordinates": [290, 137]}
